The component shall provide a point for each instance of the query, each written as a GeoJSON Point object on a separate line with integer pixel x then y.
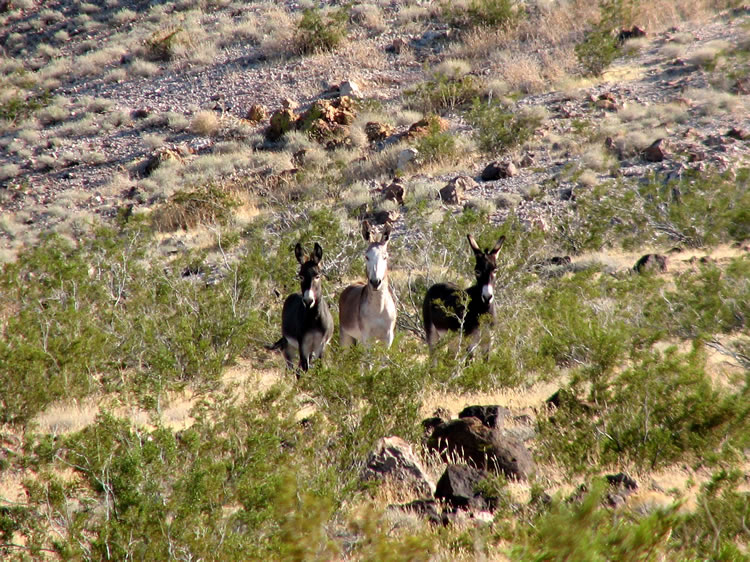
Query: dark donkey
{"type": "Point", "coordinates": [306, 322]}
{"type": "Point", "coordinates": [448, 307]}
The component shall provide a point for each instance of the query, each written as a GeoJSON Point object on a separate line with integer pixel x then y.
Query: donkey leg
{"type": "Point", "coordinates": [345, 339]}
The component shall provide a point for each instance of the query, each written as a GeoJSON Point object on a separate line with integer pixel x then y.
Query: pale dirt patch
{"type": "Point", "coordinates": [520, 401]}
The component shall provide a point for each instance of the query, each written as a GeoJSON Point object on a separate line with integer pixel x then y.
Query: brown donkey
{"type": "Point", "coordinates": [448, 307]}
{"type": "Point", "coordinates": [366, 310]}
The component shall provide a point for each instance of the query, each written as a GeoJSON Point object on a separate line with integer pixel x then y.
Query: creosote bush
{"type": "Point", "coordinates": [318, 31]}
{"type": "Point", "coordinates": [498, 129]}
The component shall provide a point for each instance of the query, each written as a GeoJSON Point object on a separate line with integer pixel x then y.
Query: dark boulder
{"type": "Point", "coordinates": [458, 488]}
{"type": "Point", "coordinates": [481, 447]}
{"type": "Point", "coordinates": [490, 416]}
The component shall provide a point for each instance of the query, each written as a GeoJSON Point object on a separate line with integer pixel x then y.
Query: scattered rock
{"type": "Point", "coordinates": [651, 263]}
{"type": "Point", "coordinates": [490, 416]}
{"type": "Point", "coordinates": [350, 88]}
{"type": "Point", "coordinates": [657, 151]}
{"type": "Point", "coordinates": [427, 509]}
{"type": "Point", "coordinates": [450, 194]}
{"type": "Point", "coordinates": [378, 131]}
{"type": "Point", "coordinates": [383, 217]}
{"type": "Point", "coordinates": [556, 260]}
{"type": "Point", "coordinates": [422, 127]}
{"type": "Point", "coordinates": [606, 105]}
{"type": "Point", "coordinates": [632, 33]}
{"type": "Point", "coordinates": [396, 46]}
{"type": "Point", "coordinates": [742, 86]}
{"type": "Point", "coordinates": [622, 486]}
{"type": "Point", "coordinates": [394, 192]}
{"type": "Point", "coordinates": [457, 488]}
{"type": "Point", "coordinates": [564, 397]}
{"type": "Point", "coordinates": [142, 112]}
{"type": "Point", "coordinates": [393, 459]}
{"type": "Point", "coordinates": [527, 160]}
{"type": "Point", "coordinates": [439, 416]}
{"type": "Point", "coordinates": [406, 157]}
{"type": "Point", "coordinates": [159, 157]}
{"type": "Point", "coordinates": [453, 192]}
{"type": "Point", "coordinates": [481, 447]}
{"type": "Point", "coordinates": [739, 134]}
{"type": "Point", "coordinates": [282, 121]}
{"type": "Point", "coordinates": [298, 158]}
{"type": "Point", "coordinates": [256, 113]}
{"type": "Point", "coordinates": [621, 480]}
{"type": "Point", "coordinates": [508, 200]}
{"type": "Point", "coordinates": [289, 103]}
{"type": "Point", "coordinates": [499, 170]}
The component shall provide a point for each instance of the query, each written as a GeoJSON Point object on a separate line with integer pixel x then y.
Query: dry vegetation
{"type": "Point", "coordinates": [148, 218]}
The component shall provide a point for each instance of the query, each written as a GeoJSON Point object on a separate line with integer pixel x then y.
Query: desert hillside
{"type": "Point", "coordinates": [585, 164]}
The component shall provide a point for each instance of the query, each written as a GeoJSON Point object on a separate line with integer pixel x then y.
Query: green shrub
{"type": "Point", "coordinates": [697, 211]}
{"type": "Point", "coordinates": [188, 209]}
{"type": "Point", "coordinates": [321, 32]}
{"type": "Point", "coordinates": [719, 522]}
{"type": "Point", "coordinates": [483, 13]}
{"type": "Point", "coordinates": [600, 46]}
{"type": "Point", "coordinates": [663, 409]}
{"type": "Point", "coordinates": [443, 93]}
{"type": "Point", "coordinates": [436, 146]}
{"type": "Point", "coordinates": [587, 530]}
{"type": "Point", "coordinates": [498, 130]}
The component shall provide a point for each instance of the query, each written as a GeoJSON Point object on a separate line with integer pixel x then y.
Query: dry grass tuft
{"type": "Point", "coordinates": [205, 123]}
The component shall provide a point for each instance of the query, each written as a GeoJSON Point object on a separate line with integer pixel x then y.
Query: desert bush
{"type": "Point", "coordinates": [317, 31]}
{"type": "Point", "coordinates": [600, 46]}
{"type": "Point", "coordinates": [482, 13]}
{"type": "Point", "coordinates": [437, 145]}
{"type": "Point", "coordinates": [663, 409]}
{"type": "Point", "coordinates": [187, 209]}
{"type": "Point", "coordinates": [497, 129]}
{"type": "Point", "coordinates": [697, 210]}
{"type": "Point", "coordinates": [716, 526]}
{"type": "Point", "coordinates": [443, 93]}
{"type": "Point", "coordinates": [588, 530]}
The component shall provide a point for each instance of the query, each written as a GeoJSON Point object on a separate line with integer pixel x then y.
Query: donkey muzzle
{"type": "Point", "coordinates": [375, 283]}
{"type": "Point", "coordinates": [308, 299]}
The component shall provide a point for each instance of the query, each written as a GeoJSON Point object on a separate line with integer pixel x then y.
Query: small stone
{"type": "Point", "coordinates": [654, 263]}
{"type": "Point", "coordinates": [378, 131]}
{"type": "Point", "coordinates": [657, 151]}
{"type": "Point", "coordinates": [256, 113]}
{"type": "Point", "coordinates": [606, 104]}
{"type": "Point", "coordinates": [350, 88]}
{"type": "Point", "coordinates": [739, 134]}
{"type": "Point", "coordinates": [527, 160]}
{"type": "Point", "coordinates": [499, 170]}
{"type": "Point", "coordinates": [394, 192]}
{"type": "Point", "coordinates": [289, 103]}
{"type": "Point", "coordinates": [393, 459]}
{"type": "Point", "coordinates": [406, 157]}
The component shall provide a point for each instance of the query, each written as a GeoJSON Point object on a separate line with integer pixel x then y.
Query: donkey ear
{"type": "Point", "coordinates": [498, 245]}
{"type": "Point", "coordinates": [299, 253]}
{"type": "Point", "coordinates": [317, 253]}
{"type": "Point", "coordinates": [366, 231]}
{"type": "Point", "coordinates": [386, 234]}
{"type": "Point", "coordinates": [473, 244]}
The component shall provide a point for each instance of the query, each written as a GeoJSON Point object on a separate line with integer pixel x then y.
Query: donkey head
{"type": "Point", "coordinates": [376, 256]}
{"type": "Point", "coordinates": [309, 274]}
{"type": "Point", "coordinates": [486, 266]}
